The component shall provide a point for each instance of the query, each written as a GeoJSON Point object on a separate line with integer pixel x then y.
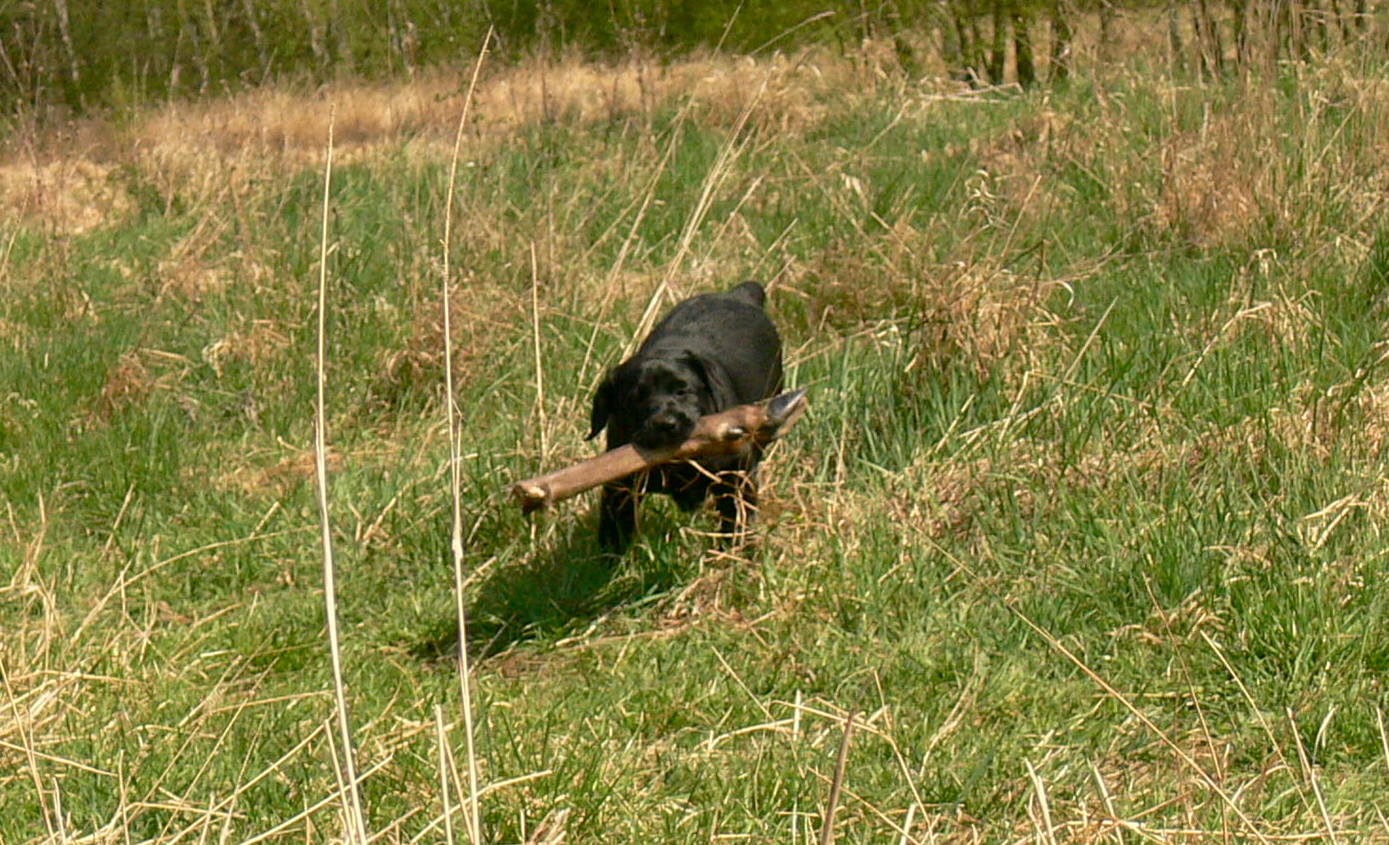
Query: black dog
{"type": "Point", "coordinates": [711, 352]}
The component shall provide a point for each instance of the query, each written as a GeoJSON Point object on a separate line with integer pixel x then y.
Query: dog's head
{"type": "Point", "coordinates": [655, 402]}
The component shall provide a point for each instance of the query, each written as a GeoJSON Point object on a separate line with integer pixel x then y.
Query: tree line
{"type": "Point", "coordinates": [996, 41]}
{"type": "Point", "coordinates": [69, 56]}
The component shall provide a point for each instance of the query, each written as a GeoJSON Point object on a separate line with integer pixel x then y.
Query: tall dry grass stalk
{"type": "Point", "coordinates": [30, 756]}
{"type": "Point", "coordinates": [354, 818]}
{"type": "Point", "coordinates": [442, 736]}
{"type": "Point", "coordinates": [841, 764]}
{"type": "Point", "coordinates": [729, 154]}
{"type": "Point", "coordinates": [539, 360]}
{"type": "Point", "coordinates": [472, 818]}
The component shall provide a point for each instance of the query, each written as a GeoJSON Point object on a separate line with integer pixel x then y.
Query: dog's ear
{"type": "Point", "coordinates": [716, 383]}
{"type": "Point", "coordinates": [602, 406]}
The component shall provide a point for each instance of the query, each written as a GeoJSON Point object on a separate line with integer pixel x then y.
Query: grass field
{"type": "Point", "coordinates": [1083, 527]}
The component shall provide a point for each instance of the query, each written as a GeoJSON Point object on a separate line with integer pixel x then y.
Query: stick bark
{"type": "Point", "coordinates": [724, 433]}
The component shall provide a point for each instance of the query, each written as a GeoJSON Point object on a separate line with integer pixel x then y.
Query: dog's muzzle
{"type": "Point", "coordinates": [666, 429]}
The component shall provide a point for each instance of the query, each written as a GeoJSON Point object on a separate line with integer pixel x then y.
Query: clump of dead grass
{"type": "Point", "coordinates": [278, 478]}
{"type": "Point", "coordinates": [1241, 178]}
{"type": "Point", "coordinates": [983, 314]}
{"type": "Point", "coordinates": [976, 315]}
{"type": "Point", "coordinates": [481, 315]}
{"type": "Point", "coordinates": [284, 123]}
{"type": "Point", "coordinates": [67, 196]}
{"type": "Point", "coordinates": [786, 91]}
{"type": "Point", "coordinates": [286, 126]}
{"type": "Point", "coordinates": [1216, 186]}
{"type": "Point", "coordinates": [1018, 161]}
{"type": "Point", "coordinates": [1373, 403]}
{"type": "Point", "coordinates": [255, 342]}
{"type": "Point", "coordinates": [15, 335]}
{"type": "Point", "coordinates": [187, 275]}
{"type": "Point", "coordinates": [1237, 179]}
{"type": "Point", "coordinates": [940, 497]}
{"type": "Point", "coordinates": [129, 381]}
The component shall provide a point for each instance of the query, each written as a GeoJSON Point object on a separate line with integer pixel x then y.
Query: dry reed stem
{"type": "Point", "coordinates": [539, 360]}
{"type": "Point", "coordinates": [1046, 829]}
{"type": "Point", "coordinates": [354, 818]}
{"type": "Point", "coordinates": [1383, 734]}
{"type": "Point", "coordinates": [1106, 799]}
{"type": "Point", "coordinates": [442, 738]}
{"type": "Point", "coordinates": [455, 467]}
{"type": "Point", "coordinates": [827, 832]}
{"type": "Point", "coordinates": [907, 825]}
{"type": "Point", "coordinates": [881, 815]}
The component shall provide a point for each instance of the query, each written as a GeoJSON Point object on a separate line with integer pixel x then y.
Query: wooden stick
{"type": "Point", "coordinates": [725, 433]}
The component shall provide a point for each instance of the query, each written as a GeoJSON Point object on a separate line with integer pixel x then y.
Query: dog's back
{"type": "Point", "coordinates": [750, 292]}
{"type": "Point", "coordinates": [731, 328]}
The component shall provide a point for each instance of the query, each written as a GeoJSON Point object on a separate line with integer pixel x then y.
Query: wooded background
{"type": "Point", "coordinates": [60, 57]}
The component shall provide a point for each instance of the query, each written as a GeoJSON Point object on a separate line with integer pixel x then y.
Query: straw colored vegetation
{"type": "Point", "coordinates": [1082, 531]}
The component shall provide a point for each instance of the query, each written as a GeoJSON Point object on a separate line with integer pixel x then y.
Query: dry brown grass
{"type": "Point", "coordinates": [275, 123]}
{"type": "Point", "coordinates": [1220, 182]}
{"type": "Point", "coordinates": [137, 374]}
{"type": "Point", "coordinates": [276, 479]}
{"type": "Point", "coordinates": [205, 151]}
{"type": "Point", "coordinates": [189, 273]}
{"type": "Point", "coordinates": [482, 314]}
{"type": "Point", "coordinates": [1015, 163]}
{"type": "Point", "coordinates": [63, 195]}
{"type": "Point", "coordinates": [127, 382]}
{"type": "Point", "coordinates": [940, 497]}
{"type": "Point", "coordinates": [1240, 178]}
{"type": "Point", "coordinates": [786, 90]}
{"type": "Point", "coordinates": [256, 342]}
{"type": "Point", "coordinates": [973, 312]}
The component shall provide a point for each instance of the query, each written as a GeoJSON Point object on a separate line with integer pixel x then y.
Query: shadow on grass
{"type": "Point", "coordinates": [559, 589]}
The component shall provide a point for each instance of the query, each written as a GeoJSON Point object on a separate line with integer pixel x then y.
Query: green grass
{"type": "Point", "coordinates": [1104, 367]}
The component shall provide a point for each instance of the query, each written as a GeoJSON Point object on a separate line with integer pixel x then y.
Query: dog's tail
{"type": "Point", "coordinates": [750, 292]}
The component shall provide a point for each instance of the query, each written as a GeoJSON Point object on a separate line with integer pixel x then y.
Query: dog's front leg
{"type": "Point", "coordinates": [617, 520]}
